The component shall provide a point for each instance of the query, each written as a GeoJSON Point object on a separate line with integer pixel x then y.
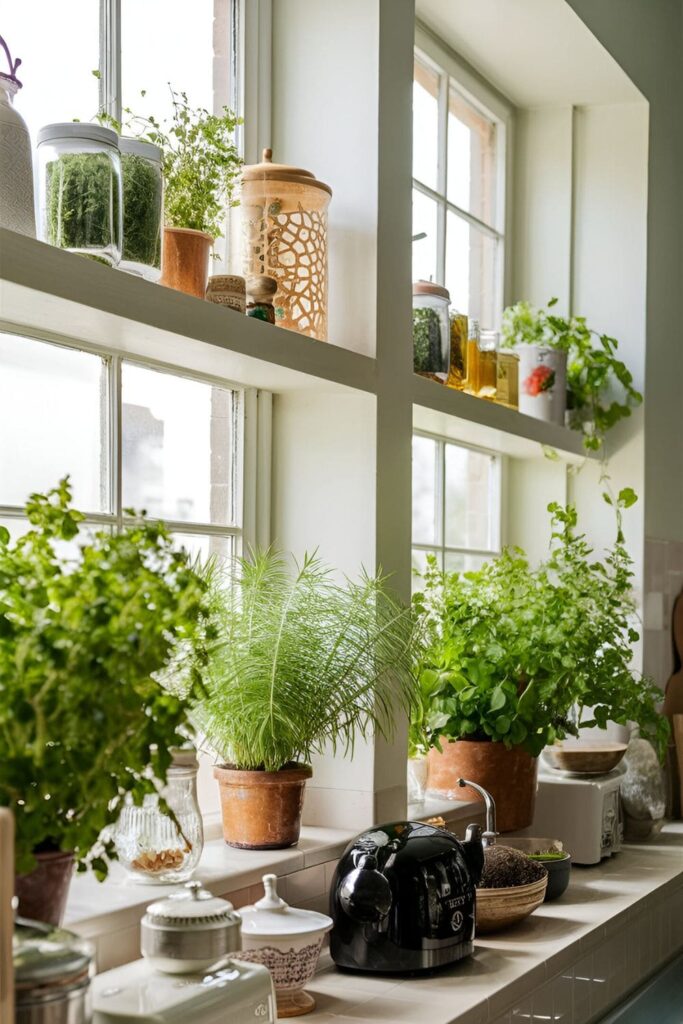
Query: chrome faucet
{"type": "Point", "coordinates": [488, 837]}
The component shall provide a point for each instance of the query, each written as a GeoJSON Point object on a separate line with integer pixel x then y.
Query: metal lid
{"type": "Point", "coordinates": [271, 916]}
{"type": "Point", "coordinates": [192, 907]}
{"type": "Point", "coordinates": [430, 288]}
{"type": "Point", "coordinates": [136, 147]}
{"type": "Point", "coordinates": [79, 130]}
{"type": "Point", "coordinates": [45, 956]}
{"type": "Point", "coordinates": [184, 758]}
{"type": "Point", "coordinates": [268, 171]}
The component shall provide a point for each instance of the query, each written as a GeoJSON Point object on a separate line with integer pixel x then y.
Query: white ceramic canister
{"type": "Point", "coordinates": [17, 211]}
{"type": "Point", "coordinates": [287, 940]}
{"type": "Point", "coordinates": [543, 383]}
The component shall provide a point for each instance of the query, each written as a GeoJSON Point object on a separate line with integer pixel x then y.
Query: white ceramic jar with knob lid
{"type": "Point", "coordinates": [287, 941]}
{"type": "Point", "coordinates": [16, 167]}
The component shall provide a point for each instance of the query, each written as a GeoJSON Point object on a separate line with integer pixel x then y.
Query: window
{"type": "Point", "coordinates": [458, 193]}
{"type": "Point", "coordinates": [456, 504]}
{"type": "Point", "coordinates": [128, 435]}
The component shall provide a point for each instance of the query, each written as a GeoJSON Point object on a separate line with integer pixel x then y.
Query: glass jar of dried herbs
{"type": "Point", "coordinates": [431, 330]}
{"type": "Point", "coordinates": [142, 207]}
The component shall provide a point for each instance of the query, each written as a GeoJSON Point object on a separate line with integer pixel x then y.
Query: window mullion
{"type": "Point", "coordinates": [441, 178]}
{"type": "Point", "coordinates": [116, 441]}
{"type": "Point", "coordinates": [110, 58]}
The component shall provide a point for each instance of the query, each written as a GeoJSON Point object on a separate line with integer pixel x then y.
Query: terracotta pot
{"type": "Point", "coordinates": [508, 775]}
{"type": "Point", "coordinates": [262, 810]}
{"type": "Point", "coordinates": [43, 892]}
{"type": "Point", "coordinates": [185, 260]}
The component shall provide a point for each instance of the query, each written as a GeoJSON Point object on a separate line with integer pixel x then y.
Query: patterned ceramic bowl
{"type": "Point", "coordinates": [287, 941]}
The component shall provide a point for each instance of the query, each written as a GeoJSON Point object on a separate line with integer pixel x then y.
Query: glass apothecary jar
{"type": "Point", "coordinates": [149, 844]}
{"type": "Point", "coordinates": [488, 364]}
{"type": "Point", "coordinates": [80, 190]}
{"type": "Point", "coordinates": [284, 220]}
{"type": "Point", "coordinates": [142, 207]}
{"type": "Point", "coordinates": [431, 329]}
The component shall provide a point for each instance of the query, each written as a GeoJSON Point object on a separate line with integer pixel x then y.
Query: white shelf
{"type": "Point", "coordinates": [442, 410]}
{"type": "Point", "coordinates": [55, 293]}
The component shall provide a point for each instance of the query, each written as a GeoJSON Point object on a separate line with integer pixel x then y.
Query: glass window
{"type": "Point", "coordinates": [456, 504]}
{"type": "Point", "coordinates": [458, 156]}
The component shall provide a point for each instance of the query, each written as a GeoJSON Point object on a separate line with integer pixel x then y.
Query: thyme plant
{"type": "Point", "coordinates": [301, 661]}
{"type": "Point", "coordinates": [84, 640]}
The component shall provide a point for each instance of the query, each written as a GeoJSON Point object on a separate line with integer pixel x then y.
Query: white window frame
{"type": "Point", "coordinates": [434, 53]}
{"type": "Point", "coordinates": [496, 501]}
{"type": "Point", "coordinates": [250, 451]}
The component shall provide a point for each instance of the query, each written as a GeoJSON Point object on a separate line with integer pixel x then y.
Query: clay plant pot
{"type": "Point", "coordinates": [43, 892]}
{"type": "Point", "coordinates": [185, 260]}
{"type": "Point", "coordinates": [262, 810]}
{"type": "Point", "coordinates": [508, 775]}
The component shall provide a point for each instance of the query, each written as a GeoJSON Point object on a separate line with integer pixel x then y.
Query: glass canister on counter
{"type": "Point", "coordinates": [142, 207]}
{"type": "Point", "coordinates": [80, 190]}
{"type": "Point", "coordinates": [150, 845]}
{"type": "Point", "coordinates": [431, 330]}
{"type": "Point", "coordinates": [488, 364]}
{"type": "Point", "coordinates": [457, 370]}
{"type": "Point", "coordinates": [507, 380]}
{"type": "Point", "coordinates": [284, 219]}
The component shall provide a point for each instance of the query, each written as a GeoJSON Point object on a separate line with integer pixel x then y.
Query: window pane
{"type": "Point", "coordinates": [425, 452]}
{"type": "Point", "coordinates": [52, 401]}
{"type": "Point", "coordinates": [456, 561]}
{"type": "Point", "coordinates": [177, 447]}
{"type": "Point", "coordinates": [185, 52]}
{"type": "Point", "coordinates": [203, 546]}
{"type": "Point", "coordinates": [419, 563]}
{"type": "Point", "coordinates": [469, 498]}
{"type": "Point", "coordinates": [425, 124]}
{"type": "Point", "coordinates": [424, 249]}
{"type": "Point", "coordinates": [59, 50]}
{"type": "Point", "coordinates": [472, 156]}
{"type": "Point", "coordinates": [472, 271]}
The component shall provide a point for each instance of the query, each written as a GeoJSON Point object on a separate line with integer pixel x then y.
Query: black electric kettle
{"type": "Point", "coordinates": [403, 896]}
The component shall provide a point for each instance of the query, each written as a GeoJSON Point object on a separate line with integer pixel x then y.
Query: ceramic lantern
{"type": "Point", "coordinates": [284, 217]}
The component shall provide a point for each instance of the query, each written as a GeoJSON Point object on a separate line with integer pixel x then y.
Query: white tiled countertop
{"type": "Point", "coordinates": [570, 961]}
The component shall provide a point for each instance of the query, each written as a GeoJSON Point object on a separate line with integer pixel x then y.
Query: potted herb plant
{"type": "Point", "coordinates": [201, 166]}
{"type": "Point", "coordinates": [84, 716]}
{"type": "Point", "coordinates": [511, 651]}
{"type": "Point", "coordinates": [300, 662]}
{"type": "Point", "coordinates": [560, 358]}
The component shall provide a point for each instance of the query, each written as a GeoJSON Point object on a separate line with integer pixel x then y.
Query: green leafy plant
{"type": "Point", "coordinates": [593, 370]}
{"type": "Point", "coordinates": [200, 161]}
{"type": "Point", "coordinates": [301, 661]}
{"type": "Point", "coordinates": [511, 650]}
{"type": "Point", "coordinates": [82, 208]}
{"type": "Point", "coordinates": [85, 641]}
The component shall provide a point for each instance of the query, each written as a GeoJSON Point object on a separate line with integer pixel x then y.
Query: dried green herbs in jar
{"type": "Point", "coordinates": [426, 341]}
{"type": "Point", "coordinates": [142, 205]}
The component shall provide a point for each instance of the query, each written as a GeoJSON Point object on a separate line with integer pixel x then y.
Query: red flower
{"type": "Point", "coordinates": [541, 379]}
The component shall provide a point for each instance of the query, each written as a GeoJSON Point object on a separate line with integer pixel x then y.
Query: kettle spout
{"type": "Point", "coordinates": [473, 849]}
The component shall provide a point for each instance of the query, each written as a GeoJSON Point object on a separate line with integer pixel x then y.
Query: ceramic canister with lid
{"type": "Point", "coordinates": [287, 940]}
{"type": "Point", "coordinates": [52, 973]}
{"type": "Point", "coordinates": [189, 931]}
{"type": "Point", "coordinates": [16, 167]}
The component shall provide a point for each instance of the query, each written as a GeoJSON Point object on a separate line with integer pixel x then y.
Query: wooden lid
{"type": "Point", "coordinates": [268, 171]}
{"type": "Point", "coordinates": [261, 288]}
{"type": "Point", "coordinates": [430, 288]}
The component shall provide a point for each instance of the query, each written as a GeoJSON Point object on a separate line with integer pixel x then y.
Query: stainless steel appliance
{"type": "Point", "coordinates": [189, 931]}
{"type": "Point", "coordinates": [52, 972]}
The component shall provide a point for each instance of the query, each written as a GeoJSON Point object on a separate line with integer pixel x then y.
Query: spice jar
{"type": "Point", "coordinates": [16, 168]}
{"type": "Point", "coordinates": [507, 380]}
{"type": "Point", "coordinates": [488, 364]}
{"type": "Point", "coordinates": [227, 290]}
{"type": "Point", "coordinates": [284, 219]}
{"type": "Point", "coordinates": [457, 370]}
{"type": "Point", "coordinates": [142, 207]}
{"type": "Point", "coordinates": [150, 845]}
{"type": "Point", "coordinates": [472, 379]}
{"type": "Point", "coordinates": [79, 189]}
{"type": "Point", "coordinates": [261, 291]}
{"type": "Point", "coordinates": [431, 329]}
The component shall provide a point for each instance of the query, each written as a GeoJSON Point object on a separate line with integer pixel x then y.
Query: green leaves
{"type": "Point", "coordinates": [510, 650]}
{"type": "Point", "coordinates": [98, 660]}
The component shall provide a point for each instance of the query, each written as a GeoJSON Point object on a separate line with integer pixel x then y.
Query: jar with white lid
{"type": "Point", "coordinates": [142, 207]}
{"type": "Point", "coordinates": [80, 190]}
{"type": "Point", "coordinates": [431, 329]}
{"type": "Point", "coordinates": [287, 940]}
{"type": "Point", "coordinates": [149, 844]}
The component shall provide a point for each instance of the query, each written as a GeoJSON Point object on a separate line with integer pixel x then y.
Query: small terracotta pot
{"type": "Point", "coordinates": [185, 260]}
{"type": "Point", "coordinates": [43, 892]}
{"type": "Point", "coordinates": [508, 775]}
{"type": "Point", "coordinates": [262, 810]}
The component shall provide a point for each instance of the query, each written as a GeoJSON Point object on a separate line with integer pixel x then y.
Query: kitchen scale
{"type": "Point", "coordinates": [583, 811]}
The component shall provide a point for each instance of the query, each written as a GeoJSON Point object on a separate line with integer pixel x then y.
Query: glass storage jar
{"type": "Point", "coordinates": [149, 844]}
{"type": "Point", "coordinates": [457, 370]}
{"type": "Point", "coordinates": [507, 380]}
{"type": "Point", "coordinates": [472, 379]}
{"type": "Point", "coordinates": [488, 364]}
{"type": "Point", "coordinates": [142, 207]}
{"type": "Point", "coordinates": [80, 191]}
{"type": "Point", "coordinates": [431, 329]}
